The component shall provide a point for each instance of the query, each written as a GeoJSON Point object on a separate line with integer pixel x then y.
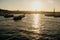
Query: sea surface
{"type": "Point", "coordinates": [31, 27]}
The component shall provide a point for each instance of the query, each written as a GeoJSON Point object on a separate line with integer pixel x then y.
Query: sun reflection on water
{"type": "Point", "coordinates": [36, 20]}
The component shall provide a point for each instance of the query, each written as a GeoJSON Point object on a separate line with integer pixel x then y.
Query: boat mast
{"type": "Point", "coordinates": [54, 10]}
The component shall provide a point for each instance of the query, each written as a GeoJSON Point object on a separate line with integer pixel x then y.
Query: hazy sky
{"type": "Point", "coordinates": [44, 5]}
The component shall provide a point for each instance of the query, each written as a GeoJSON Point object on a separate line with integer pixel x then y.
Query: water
{"type": "Point", "coordinates": [31, 27]}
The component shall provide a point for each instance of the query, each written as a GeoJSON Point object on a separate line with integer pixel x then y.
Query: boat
{"type": "Point", "coordinates": [50, 13]}
{"type": "Point", "coordinates": [57, 16]}
{"type": "Point", "coordinates": [18, 17]}
{"type": "Point", "coordinates": [54, 14]}
{"type": "Point", "coordinates": [8, 15]}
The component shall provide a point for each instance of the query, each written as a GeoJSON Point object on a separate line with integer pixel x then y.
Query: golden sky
{"type": "Point", "coordinates": [39, 5]}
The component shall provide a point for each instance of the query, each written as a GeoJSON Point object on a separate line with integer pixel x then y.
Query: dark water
{"type": "Point", "coordinates": [31, 27]}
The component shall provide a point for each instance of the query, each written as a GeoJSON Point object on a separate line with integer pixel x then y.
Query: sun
{"type": "Point", "coordinates": [37, 5]}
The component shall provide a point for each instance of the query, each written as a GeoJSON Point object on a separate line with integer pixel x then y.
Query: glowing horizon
{"type": "Point", "coordinates": [30, 5]}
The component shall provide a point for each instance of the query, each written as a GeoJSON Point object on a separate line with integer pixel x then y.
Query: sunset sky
{"type": "Point", "coordinates": [40, 5]}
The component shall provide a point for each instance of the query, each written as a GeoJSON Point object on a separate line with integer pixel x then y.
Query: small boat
{"type": "Point", "coordinates": [54, 14]}
{"type": "Point", "coordinates": [57, 16]}
{"type": "Point", "coordinates": [8, 15]}
{"type": "Point", "coordinates": [51, 13]}
{"type": "Point", "coordinates": [18, 17]}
